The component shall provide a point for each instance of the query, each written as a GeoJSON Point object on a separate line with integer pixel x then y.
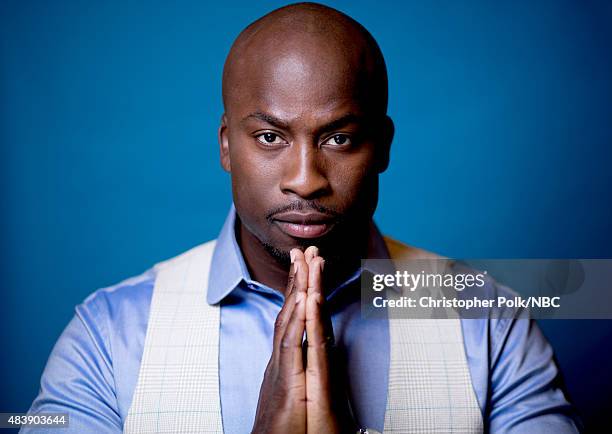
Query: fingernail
{"type": "Point", "coordinates": [292, 254]}
{"type": "Point", "coordinates": [322, 264]}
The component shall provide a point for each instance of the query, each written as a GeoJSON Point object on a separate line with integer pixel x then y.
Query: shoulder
{"type": "Point", "coordinates": [400, 250]}
{"type": "Point", "coordinates": [85, 371]}
{"type": "Point", "coordinates": [112, 303]}
{"type": "Point", "coordinates": [111, 325]}
{"type": "Point", "coordinates": [487, 333]}
{"type": "Point", "coordinates": [195, 253]}
{"type": "Point", "coordinates": [130, 299]}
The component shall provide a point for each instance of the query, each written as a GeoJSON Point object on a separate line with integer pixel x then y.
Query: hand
{"type": "Point", "coordinates": [297, 394]}
{"type": "Point", "coordinates": [282, 397]}
{"type": "Point", "coordinates": [327, 409]}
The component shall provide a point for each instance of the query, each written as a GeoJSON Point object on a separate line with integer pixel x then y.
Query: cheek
{"type": "Point", "coordinates": [255, 174]}
{"type": "Point", "coordinates": [253, 177]}
{"type": "Point", "coordinates": [353, 178]}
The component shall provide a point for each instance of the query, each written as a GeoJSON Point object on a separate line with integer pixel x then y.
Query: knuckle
{"type": "Point", "coordinates": [278, 324]}
{"type": "Point", "coordinates": [286, 344]}
{"type": "Point", "coordinates": [320, 345]}
{"type": "Point", "coordinates": [311, 371]}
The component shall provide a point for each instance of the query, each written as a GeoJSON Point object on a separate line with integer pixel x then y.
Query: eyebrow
{"type": "Point", "coordinates": [332, 125]}
{"type": "Point", "coordinates": [267, 118]}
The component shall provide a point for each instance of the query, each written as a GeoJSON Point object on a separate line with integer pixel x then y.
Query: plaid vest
{"type": "Point", "coordinates": [429, 388]}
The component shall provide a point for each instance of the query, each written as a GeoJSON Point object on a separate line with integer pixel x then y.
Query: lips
{"type": "Point", "coordinates": [304, 225]}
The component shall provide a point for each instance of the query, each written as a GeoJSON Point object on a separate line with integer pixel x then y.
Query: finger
{"type": "Point", "coordinates": [299, 258]}
{"type": "Point", "coordinates": [318, 387]}
{"type": "Point", "coordinates": [290, 280]}
{"type": "Point", "coordinates": [283, 316]}
{"type": "Point", "coordinates": [318, 312]}
{"type": "Point", "coordinates": [317, 372]}
{"type": "Point", "coordinates": [282, 319]}
{"type": "Point", "coordinates": [317, 330]}
{"type": "Point", "coordinates": [315, 275]}
{"type": "Point", "coordinates": [294, 254]}
{"type": "Point", "coordinates": [290, 354]}
{"type": "Point", "coordinates": [310, 253]}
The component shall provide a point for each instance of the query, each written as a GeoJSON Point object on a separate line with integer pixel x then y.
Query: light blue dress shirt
{"type": "Point", "coordinates": [93, 368]}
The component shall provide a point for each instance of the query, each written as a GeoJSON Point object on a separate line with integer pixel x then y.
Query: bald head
{"type": "Point", "coordinates": [301, 45]}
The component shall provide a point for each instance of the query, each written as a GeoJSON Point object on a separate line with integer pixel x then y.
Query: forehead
{"type": "Point", "coordinates": [303, 79]}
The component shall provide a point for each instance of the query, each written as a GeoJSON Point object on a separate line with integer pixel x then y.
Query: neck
{"type": "Point", "coordinates": [270, 271]}
{"type": "Point", "coordinates": [262, 266]}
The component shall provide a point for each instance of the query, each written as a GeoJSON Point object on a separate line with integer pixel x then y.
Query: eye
{"type": "Point", "coordinates": [338, 140]}
{"type": "Point", "coordinates": [270, 139]}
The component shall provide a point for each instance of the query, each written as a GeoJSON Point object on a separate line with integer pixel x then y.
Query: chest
{"type": "Point", "coordinates": [428, 387]}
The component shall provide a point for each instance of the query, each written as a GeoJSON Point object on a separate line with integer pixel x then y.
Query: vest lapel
{"type": "Point", "coordinates": [430, 388]}
{"type": "Point", "coordinates": [178, 382]}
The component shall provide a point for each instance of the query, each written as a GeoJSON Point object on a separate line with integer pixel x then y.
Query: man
{"type": "Point", "coordinates": [261, 330]}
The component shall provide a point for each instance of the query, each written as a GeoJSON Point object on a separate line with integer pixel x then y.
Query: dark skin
{"type": "Point", "coordinates": [304, 131]}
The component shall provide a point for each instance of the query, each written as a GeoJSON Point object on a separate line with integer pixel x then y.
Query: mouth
{"type": "Point", "coordinates": [304, 225]}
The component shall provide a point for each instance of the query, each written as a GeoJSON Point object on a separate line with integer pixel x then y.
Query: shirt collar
{"type": "Point", "coordinates": [228, 269]}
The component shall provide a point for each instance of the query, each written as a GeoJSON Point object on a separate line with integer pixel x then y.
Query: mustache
{"type": "Point", "coordinates": [304, 206]}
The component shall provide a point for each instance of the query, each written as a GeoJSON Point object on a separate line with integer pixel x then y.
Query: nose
{"type": "Point", "coordinates": [304, 173]}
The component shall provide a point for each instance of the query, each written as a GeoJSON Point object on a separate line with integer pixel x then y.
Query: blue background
{"type": "Point", "coordinates": [109, 161]}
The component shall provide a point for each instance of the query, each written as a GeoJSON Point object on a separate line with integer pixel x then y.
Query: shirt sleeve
{"type": "Point", "coordinates": [78, 377]}
{"type": "Point", "coordinates": [527, 393]}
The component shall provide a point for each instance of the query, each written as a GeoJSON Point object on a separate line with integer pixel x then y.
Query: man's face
{"type": "Point", "coordinates": [304, 151]}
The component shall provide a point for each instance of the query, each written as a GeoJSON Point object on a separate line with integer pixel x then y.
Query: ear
{"type": "Point", "coordinates": [224, 145]}
{"type": "Point", "coordinates": [384, 149]}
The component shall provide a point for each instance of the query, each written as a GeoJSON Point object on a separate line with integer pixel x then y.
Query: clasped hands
{"type": "Point", "coordinates": [297, 394]}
